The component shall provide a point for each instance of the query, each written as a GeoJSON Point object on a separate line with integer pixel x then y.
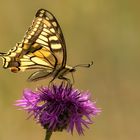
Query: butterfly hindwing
{"type": "Point", "coordinates": [40, 74]}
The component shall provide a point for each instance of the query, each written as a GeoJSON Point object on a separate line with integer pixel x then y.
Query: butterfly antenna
{"type": "Point", "coordinates": [84, 65]}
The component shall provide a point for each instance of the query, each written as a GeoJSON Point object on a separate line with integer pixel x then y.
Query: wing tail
{"type": "Point", "coordinates": [2, 54]}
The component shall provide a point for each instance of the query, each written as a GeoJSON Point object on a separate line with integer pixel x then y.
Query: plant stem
{"type": "Point", "coordinates": [48, 135]}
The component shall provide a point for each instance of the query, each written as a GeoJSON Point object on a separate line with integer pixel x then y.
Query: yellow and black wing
{"type": "Point", "coordinates": [43, 47]}
{"type": "Point", "coordinates": [45, 33]}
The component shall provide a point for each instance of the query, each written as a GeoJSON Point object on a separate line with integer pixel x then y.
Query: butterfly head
{"type": "Point", "coordinates": [69, 69]}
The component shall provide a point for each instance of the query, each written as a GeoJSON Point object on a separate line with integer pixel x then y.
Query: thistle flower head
{"type": "Point", "coordinates": [59, 107]}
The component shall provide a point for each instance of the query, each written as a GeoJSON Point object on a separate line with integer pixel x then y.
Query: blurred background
{"type": "Point", "coordinates": [106, 32]}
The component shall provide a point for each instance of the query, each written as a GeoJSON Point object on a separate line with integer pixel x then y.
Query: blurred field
{"type": "Point", "coordinates": [106, 32]}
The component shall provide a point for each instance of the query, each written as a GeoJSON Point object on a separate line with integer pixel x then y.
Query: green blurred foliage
{"type": "Point", "coordinates": [106, 32]}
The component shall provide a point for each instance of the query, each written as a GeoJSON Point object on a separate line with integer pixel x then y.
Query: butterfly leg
{"type": "Point", "coordinates": [65, 79]}
{"type": "Point", "coordinates": [51, 81]}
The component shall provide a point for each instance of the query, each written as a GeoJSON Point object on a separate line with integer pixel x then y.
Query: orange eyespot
{"type": "Point", "coordinates": [14, 69]}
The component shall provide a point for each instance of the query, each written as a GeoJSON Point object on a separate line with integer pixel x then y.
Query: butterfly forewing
{"type": "Point", "coordinates": [46, 32]}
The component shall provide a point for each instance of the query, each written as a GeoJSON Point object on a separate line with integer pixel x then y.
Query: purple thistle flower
{"type": "Point", "coordinates": [59, 107]}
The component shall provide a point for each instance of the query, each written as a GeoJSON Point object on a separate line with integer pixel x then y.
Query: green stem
{"type": "Point", "coordinates": [48, 135]}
